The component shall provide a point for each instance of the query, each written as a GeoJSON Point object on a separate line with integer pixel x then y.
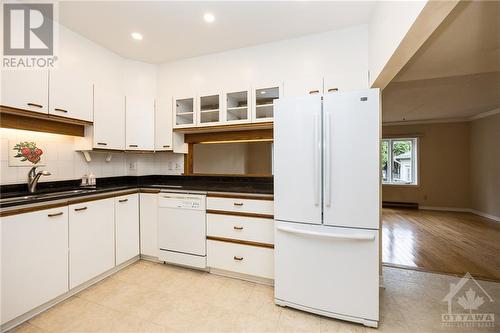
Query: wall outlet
{"type": "Point", "coordinates": [132, 166]}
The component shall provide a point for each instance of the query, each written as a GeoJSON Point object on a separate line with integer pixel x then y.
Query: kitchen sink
{"type": "Point", "coordinates": [36, 196]}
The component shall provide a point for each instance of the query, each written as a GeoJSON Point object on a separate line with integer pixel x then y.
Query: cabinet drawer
{"type": "Point", "coordinates": [241, 205]}
{"type": "Point", "coordinates": [244, 259]}
{"type": "Point", "coordinates": [241, 227]}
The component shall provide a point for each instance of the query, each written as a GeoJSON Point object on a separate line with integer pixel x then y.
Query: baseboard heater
{"type": "Point", "coordinates": [396, 204]}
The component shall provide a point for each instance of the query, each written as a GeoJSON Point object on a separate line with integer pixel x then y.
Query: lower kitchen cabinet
{"type": "Point", "coordinates": [126, 227]}
{"type": "Point", "coordinates": [34, 260]}
{"type": "Point", "coordinates": [91, 240]}
{"type": "Point", "coordinates": [244, 259]}
{"type": "Point", "coordinates": [149, 224]}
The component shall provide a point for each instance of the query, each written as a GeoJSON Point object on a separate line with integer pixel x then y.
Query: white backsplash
{"type": "Point", "coordinates": [61, 159]}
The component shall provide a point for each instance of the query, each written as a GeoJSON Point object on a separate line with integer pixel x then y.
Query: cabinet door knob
{"type": "Point", "coordinates": [238, 258]}
{"type": "Point", "coordinates": [123, 200]}
{"type": "Point", "coordinates": [313, 92]}
{"type": "Point", "coordinates": [237, 228]}
{"type": "Point", "coordinates": [102, 144]}
{"type": "Point", "coordinates": [238, 203]}
{"type": "Point", "coordinates": [35, 105]}
{"type": "Point", "coordinates": [333, 89]}
{"type": "Point", "coordinates": [80, 209]}
{"type": "Point", "coordinates": [55, 214]}
{"type": "Point", "coordinates": [60, 110]}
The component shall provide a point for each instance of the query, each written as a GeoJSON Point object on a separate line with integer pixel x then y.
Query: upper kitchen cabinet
{"type": "Point", "coordinates": [303, 86]}
{"type": "Point", "coordinates": [109, 104]}
{"type": "Point", "coordinates": [163, 125]}
{"type": "Point", "coordinates": [71, 82]}
{"type": "Point", "coordinates": [263, 98]}
{"type": "Point", "coordinates": [140, 90]}
{"type": "Point", "coordinates": [237, 106]}
{"type": "Point", "coordinates": [209, 109]}
{"type": "Point", "coordinates": [109, 118]}
{"type": "Point", "coordinates": [184, 115]}
{"type": "Point", "coordinates": [26, 89]}
{"type": "Point", "coordinates": [140, 123]}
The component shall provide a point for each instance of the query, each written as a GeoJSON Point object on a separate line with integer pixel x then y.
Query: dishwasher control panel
{"type": "Point", "coordinates": [182, 201]}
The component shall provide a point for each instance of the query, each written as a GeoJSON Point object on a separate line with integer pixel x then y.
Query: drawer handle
{"type": "Point", "coordinates": [123, 200]}
{"type": "Point", "coordinates": [55, 214]}
{"type": "Point", "coordinates": [35, 105]}
{"type": "Point", "coordinates": [80, 209]}
{"type": "Point", "coordinates": [237, 228]}
{"type": "Point", "coordinates": [61, 110]}
{"type": "Point", "coordinates": [238, 258]}
{"type": "Point", "coordinates": [102, 144]}
{"type": "Point", "coordinates": [313, 92]}
{"type": "Point", "coordinates": [333, 89]}
{"type": "Point", "coordinates": [134, 146]}
{"type": "Point", "coordinates": [238, 203]}
{"type": "Point", "coordinates": [166, 146]}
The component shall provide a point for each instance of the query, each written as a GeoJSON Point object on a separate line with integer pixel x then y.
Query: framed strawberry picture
{"type": "Point", "coordinates": [25, 153]}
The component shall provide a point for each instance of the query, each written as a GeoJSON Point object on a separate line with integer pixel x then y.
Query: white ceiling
{"type": "Point", "coordinates": [455, 74]}
{"type": "Point", "coordinates": [176, 30]}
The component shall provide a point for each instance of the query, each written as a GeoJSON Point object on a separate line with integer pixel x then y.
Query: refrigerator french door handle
{"type": "Point", "coordinates": [327, 235]}
{"type": "Point", "coordinates": [317, 164]}
{"type": "Point", "coordinates": [327, 157]}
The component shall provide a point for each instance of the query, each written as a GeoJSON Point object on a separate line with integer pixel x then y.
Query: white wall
{"type": "Point", "coordinates": [335, 53]}
{"type": "Point", "coordinates": [389, 23]}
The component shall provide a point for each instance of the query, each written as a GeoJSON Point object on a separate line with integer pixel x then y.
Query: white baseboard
{"type": "Point", "coordinates": [483, 214]}
{"type": "Point", "coordinates": [464, 210]}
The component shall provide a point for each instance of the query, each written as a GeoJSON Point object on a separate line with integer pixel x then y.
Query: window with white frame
{"type": "Point", "coordinates": [399, 161]}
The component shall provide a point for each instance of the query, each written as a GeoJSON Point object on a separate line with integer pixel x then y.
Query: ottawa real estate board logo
{"type": "Point", "coordinates": [28, 35]}
{"type": "Point", "coordinates": [469, 305]}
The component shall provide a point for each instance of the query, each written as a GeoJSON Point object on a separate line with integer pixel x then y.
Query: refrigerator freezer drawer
{"type": "Point", "coordinates": [330, 269]}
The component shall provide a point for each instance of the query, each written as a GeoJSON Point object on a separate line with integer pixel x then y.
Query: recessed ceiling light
{"type": "Point", "coordinates": [209, 17]}
{"type": "Point", "coordinates": [136, 36]}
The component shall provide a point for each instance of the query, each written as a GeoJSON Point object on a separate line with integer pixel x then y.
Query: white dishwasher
{"type": "Point", "coordinates": [182, 229]}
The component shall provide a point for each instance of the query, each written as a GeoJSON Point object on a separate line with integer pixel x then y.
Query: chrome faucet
{"type": "Point", "coordinates": [33, 178]}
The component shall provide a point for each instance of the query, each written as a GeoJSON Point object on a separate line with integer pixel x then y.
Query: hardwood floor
{"type": "Point", "coordinates": [445, 242]}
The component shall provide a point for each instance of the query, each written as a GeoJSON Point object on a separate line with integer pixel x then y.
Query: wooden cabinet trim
{"type": "Point", "coordinates": [30, 209]}
{"type": "Point", "coordinates": [241, 242]}
{"type": "Point", "coordinates": [224, 212]}
{"type": "Point", "coordinates": [240, 196]}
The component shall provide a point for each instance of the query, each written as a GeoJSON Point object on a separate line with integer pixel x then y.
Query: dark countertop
{"type": "Point", "coordinates": [71, 188]}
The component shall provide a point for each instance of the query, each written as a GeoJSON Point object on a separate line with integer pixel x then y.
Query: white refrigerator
{"type": "Point", "coordinates": [327, 204]}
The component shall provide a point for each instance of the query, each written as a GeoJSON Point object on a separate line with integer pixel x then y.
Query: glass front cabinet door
{"type": "Point", "coordinates": [237, 106]}
{"type": "Point", "coordinates": [184, 115]}
{"type": "Point", "coordinates": [209, 109]}
{"type": "Point", "coordinates": [264, 96]}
